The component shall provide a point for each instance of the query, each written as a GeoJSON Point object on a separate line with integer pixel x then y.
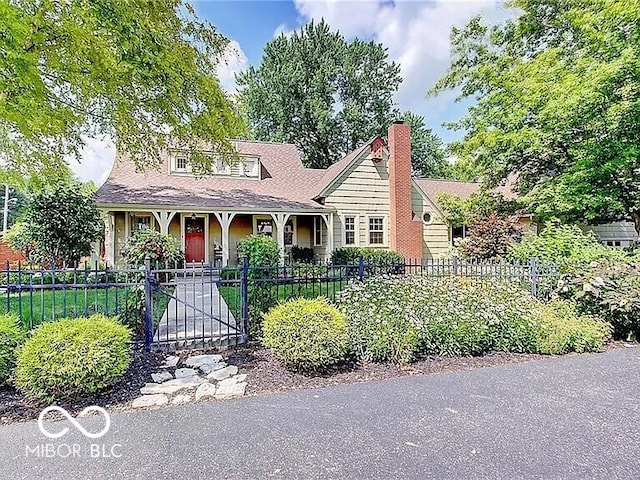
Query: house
{"type": "Point", "coordinates": [367, 199]}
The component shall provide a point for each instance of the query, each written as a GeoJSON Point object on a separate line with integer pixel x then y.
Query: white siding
{"type": "Point", "coordinates": [363, 192]}
{"type": "Point", "coordinates": [435, 235]}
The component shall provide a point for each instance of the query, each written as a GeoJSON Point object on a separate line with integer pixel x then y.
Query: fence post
{"type": "Point", "coordinates": [148, 305]}
{"type": "Point", "coordinates": [244, 296]}
{"type": "Point", "coordinates": [533, 277]}
{"type": "Point", "coordinates": [455, 266]}
{"type": "Point", "coordinates": [361, 268]}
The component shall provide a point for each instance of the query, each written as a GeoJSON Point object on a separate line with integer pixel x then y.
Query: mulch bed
{"type": "Point", "coordinates": [266, 375]}
{"type": "Point", "coordinates": [15, 407]}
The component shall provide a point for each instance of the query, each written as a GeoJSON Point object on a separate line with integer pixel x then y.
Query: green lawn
{"type": "Point", "coordinates": [231, 293]}
{"type": "Point", "coordinates": [38, 306]}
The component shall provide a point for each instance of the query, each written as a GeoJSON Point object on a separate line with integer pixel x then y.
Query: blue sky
{"type": "Point", "coordinates": [416, 34]}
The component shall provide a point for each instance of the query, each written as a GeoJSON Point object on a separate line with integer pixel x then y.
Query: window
{"type": "Point", "coordinates": [376, 230]}
{"type": "Point", "coordinates": [457, 234]}
{"type": "Point", "coordinates": [250, 167]}
{"type": "Point", "coordinates": [141, 223]}
{"type": "Point", "coordinates": [243, 167]}
{"type": "Point", "coordinates": [222, 167]}
{"type": "Point", "coordinates": [288, 232]}
{"type": "Point", "coordinates": [349, 230]}
{"type": "Point", "coordinates": [180, 164]}
{"type": "Point", "coordinates": [264, 227]}
{"type": "Point", "coordinates": [317, 231]}
{"type": "Point", "coordinates": [427, 218]}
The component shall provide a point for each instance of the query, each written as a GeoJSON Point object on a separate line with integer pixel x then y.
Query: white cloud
{"type": "Point", "coordinates": [283, 29]}
{"type": "Point", "coordinates": [234, 61]}
{"type": "Point", "coordinates": [96, 160]}
{"type": "Point", "coordinates": [416, 35]}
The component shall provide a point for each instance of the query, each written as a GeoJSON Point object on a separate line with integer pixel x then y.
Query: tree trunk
{"type": "Point", "coordinates": [636, 222]}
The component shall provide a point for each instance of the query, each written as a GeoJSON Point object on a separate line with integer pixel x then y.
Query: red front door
{"type": "Point", "coordinates": [194, 240]}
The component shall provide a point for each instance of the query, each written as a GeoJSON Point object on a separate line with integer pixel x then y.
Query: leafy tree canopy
{"type": "Point", "coordinates": [466, 211]}
{"type": "Point", "coordinates": [320, 92]}
{"type": "Point", "coordinates": [141, 72]}
{"type": "Point", "coordinates": [558, 104]}
{"type": "Point", "coordinates": [428, 155]}
{"type": "Point", "coordinates": [59, 225]}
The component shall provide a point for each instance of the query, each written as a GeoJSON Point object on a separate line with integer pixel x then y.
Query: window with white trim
{"type": "Point", "coordinates": [250, 167]}
{"type": "Point", "coordinates": [222, 167]}
{"type": "Point", "coordinates": [142, 222]}
{"type": "Point", "coordinates": [457, 234]}
{"type": "Point", "coordinates": [350, 230]}
{"type": "Point", "coordinates": [376, 230]}
{"type": "Point", "coordinates": [180, 164]}
{"type": "Point", "coordinates": [288, 232]}
{"type": "Point", "coordinates": [317, 231]}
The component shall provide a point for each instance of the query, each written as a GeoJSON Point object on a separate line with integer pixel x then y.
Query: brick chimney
{"type": "Point", "coordinates": [405, 232]}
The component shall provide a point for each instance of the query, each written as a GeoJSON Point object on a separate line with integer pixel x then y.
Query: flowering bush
{"type": "Point", "coordinates": [399, 318]}
{"type": "Point", "coordinates": [610, 290]}
{"type": "Point", "coordinates": [163, 250]}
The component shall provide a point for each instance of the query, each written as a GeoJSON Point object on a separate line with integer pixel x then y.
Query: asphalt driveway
{"type": "Point", "coordinates": [569, 417]}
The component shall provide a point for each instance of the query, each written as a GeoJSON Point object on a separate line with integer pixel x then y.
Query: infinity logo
{"type": "Point", "coordinates": [65, 430]}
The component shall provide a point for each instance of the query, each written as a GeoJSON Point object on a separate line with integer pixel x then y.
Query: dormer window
{"type": "Point", "coordinates": [242, 167]}
{"type": "Point", "coordinates": [180, 164]}
{"type": "Point", "coordinates": [250, 167]}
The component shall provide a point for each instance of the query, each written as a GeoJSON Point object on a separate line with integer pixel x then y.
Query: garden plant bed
{"type": "Point", "coordinates": [15, 407]}
{"type": "Point", "coordinates": [267, 375]}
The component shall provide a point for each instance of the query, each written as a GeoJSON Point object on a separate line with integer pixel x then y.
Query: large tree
{"type": "Point", "coordinates": [323, 93]}
{"type": "Point", "coordinates": [138, 71]}
{"type": "Point", "coordinates": [558, 104]}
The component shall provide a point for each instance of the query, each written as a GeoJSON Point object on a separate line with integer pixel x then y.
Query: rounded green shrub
{"type": "Point", "coordinates": [73, 357]}
{"type": "Point", "coordinates": [562, 329]}
{"type": "Point", "coordinates": [11, 337]}
{"type": "Point", "coordinates": [306, 334]}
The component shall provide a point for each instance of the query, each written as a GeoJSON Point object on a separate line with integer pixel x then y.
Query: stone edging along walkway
{"type": "Point", "coordinates": [200, 377]}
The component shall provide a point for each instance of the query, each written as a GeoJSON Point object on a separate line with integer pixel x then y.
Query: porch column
{"type": "Point", "coordinates": [280, 220]}
{"type": "Point", "coordinates": [164, 218]}
{"type": "Point", "coordinates": [225, 219]}
{"type": "Point", "coordinates": [110, 238]}
{"type": "Point", "coordinates": [328, 220]}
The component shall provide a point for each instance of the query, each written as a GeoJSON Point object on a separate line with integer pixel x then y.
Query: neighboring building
{"type": "Point", "coordinates": [615, 234]}
{"type": "Point", "coordinates": [367, 199]}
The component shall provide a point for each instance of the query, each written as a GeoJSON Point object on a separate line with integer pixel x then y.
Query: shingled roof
{"type": "Point", "coordinates": [287, 185]}
{"type": "Point", "coordinates": [432, 187]}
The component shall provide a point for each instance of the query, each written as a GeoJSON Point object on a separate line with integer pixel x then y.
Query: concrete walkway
{"type": "Point", "coordinates": [199, 315]}
{"type": "Point", "coordinates": [571, 417]}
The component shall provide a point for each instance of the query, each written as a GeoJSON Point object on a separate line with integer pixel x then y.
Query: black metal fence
{"type": "Point", "coordinates": [212, 306]}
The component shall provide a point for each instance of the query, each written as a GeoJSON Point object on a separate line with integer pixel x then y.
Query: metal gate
{"type": "Point", "coordinates": [193, 308]}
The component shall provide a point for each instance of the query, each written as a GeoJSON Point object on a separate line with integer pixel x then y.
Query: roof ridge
{"type": "Point", "coordinates": [244, 140]}
{"type": "Point", "coordinates": [447, 180]}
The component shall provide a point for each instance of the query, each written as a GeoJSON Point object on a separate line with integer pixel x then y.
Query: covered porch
{"type": "Point", "coordinates": [213, 237]}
